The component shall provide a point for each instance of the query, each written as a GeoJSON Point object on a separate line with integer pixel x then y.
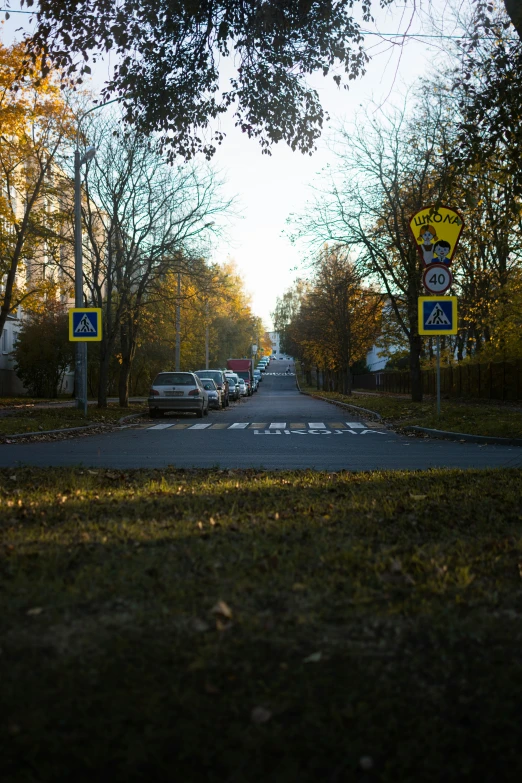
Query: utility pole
{"type": "Point", "coordinates": [207, 334]}
{"type": "Point", "coordinates": [177, 356]}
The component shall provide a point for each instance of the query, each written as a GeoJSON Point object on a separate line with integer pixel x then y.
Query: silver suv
{"type": "Point", "coordinates": [219, 378]}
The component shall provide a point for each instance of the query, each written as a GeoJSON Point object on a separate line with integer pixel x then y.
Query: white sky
{"type": "Point", "coordinates": [270, 188]}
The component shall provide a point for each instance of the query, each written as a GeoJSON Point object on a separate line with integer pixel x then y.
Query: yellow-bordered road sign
{"type": "Point", "coordinates": [437, 315]}
{"type": "Point", "coordinates": [85, 324]}
{"type": "Point", "coordinates": [436, 231]}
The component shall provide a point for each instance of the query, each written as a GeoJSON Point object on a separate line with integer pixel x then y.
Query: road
{"type": "Point", "coordinates": [276, 428]}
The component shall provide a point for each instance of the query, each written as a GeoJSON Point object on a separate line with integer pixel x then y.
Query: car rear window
{"type": "Point", "coordinates": [209, 385]}
{"type": "Point", "coordinates": [174, 379]}
{"type": "Point", "coordinates": [216, 375]}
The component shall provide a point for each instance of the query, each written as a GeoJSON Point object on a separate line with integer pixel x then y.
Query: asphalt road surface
{"type": "Point", "coordinates": [276, 428]}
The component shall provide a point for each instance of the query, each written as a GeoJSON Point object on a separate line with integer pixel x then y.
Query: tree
{"type": "Point", "coordinates": [169, 55]}
{"type": "Point", "coordinates": [337, 319]}
{"type": "Point", "coordinates": [487, 83]}
{"type": "Point", "coordinates": [386, 170]}
{"type": "Point", "coordinates": [34, 123]}
{"type": "Point", "coordinates": [144, 220]}
{"type": "Point", "coordinates": [43, 351]}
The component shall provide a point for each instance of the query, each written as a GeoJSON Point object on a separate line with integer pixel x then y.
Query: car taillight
{"type": "Point", "coordinates": [154, 393]}
{"type": "Point", "coordinates": [193, 393]}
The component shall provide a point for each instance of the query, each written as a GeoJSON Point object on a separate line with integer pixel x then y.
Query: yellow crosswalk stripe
{"type": "Point", "coordinates": [297, 426]}
{"type": "Point", "coordinates": [181, 426]}
{"type": "Point", "coordinates": [337, 425]}
{"type": "Point", "coordinates": [219, 426]}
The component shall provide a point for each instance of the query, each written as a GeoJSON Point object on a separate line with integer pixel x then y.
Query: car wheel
{"type": "Point", "coordinates": [199, 413]}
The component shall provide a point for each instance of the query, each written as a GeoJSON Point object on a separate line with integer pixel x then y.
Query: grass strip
{"type": "Point", "coordinates": [33, 419]}
{"type": "Point", "coordinates": [473, 418]}
{"type": "Point", "coordinates": [253, 626]}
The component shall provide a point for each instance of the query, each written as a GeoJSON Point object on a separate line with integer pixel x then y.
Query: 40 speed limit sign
{"type": "Point", "coordinates": [437, 278]}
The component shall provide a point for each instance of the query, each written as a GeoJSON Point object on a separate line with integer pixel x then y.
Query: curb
{"type": "Point", "coordinates": [69, 429]}
{"type": "Point", "coordinates": [484, 439]}
{"type": "Point", "coordinates": [48, 432]}
{"type": "Point", "coordinates": [130, 417]}
{"type": "Point", "coordinates": [338, 402]}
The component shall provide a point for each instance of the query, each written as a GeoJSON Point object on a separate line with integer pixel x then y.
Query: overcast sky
{"type": "Point", "coordinates": [270, 188]}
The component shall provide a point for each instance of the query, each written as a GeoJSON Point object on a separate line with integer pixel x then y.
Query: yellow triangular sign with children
{"type": "Point", "coordinates": [436, 231]}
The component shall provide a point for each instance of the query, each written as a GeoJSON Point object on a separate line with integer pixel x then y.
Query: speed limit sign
{"type": "Point", "coordinates": [437, 278]}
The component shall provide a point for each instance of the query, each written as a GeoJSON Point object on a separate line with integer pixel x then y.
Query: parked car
{"type": "Point", "coordinates": [243, 389]}
{"type": "Point", "coordinates": [233, 386]}
{"type": "Point", "coordinates": [218, 376]}
{"type": "Point", "coordinates": [258, 376]}
{"type": "Point", "coordinates": [214, 395]}
{"type": "Point", "coordinates": [177, 391]}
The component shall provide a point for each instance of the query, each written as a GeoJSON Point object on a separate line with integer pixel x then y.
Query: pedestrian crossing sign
{"type": "Point", "coordinates": [85, 324]}
{"type": "Point", "coordinates": [437, 315]}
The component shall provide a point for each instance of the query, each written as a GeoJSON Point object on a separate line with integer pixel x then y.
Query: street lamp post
{"type": "Point", "coordinates": [81, 347]}
{"type": "Point", "coordinates": [80, 379]}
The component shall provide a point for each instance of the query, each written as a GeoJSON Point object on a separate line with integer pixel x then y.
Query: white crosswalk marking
{"type": "Point", "coordinates": [311, 426]}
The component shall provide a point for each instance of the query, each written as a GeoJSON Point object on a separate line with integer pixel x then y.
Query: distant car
{"type": "Point", "coordinates": [177, 391]}
{"type": "Point", "coordinates": [243, 389]}
{"type": "Point", "coordinates": [258, 376]}
{"type": "Point", "coordinates": [233, 386]}
{"type": "Point", "coordinates": [214, 397]}
{"type": "Point", "coordinates": [219, 377]}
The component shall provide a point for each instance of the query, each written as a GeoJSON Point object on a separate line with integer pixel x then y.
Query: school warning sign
{"type": "Point", "coordinates": [436, 231]}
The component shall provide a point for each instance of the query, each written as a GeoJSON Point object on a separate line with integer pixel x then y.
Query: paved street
{"type": "Point", "coordinates": [276, 428]}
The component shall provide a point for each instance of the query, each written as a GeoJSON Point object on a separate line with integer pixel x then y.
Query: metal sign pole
{"type": "Point", "coordinates": [438, 375]}
{"type": "Point", "coordinates": [84, 379]}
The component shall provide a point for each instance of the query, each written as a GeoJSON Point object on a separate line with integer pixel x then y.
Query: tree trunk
{"type": "Point", "coordinates": [128, 349]}
{"type": "Point", "coordinates": [123, 384]}
{"type": "Point", "coordinates": [514, 10]}
{"type": "Point", "coordinates": [347, 381]}
{"type": "Point", "coordinates": [415, 368]}
{"type": "Point", "coordinates": [103, 379]}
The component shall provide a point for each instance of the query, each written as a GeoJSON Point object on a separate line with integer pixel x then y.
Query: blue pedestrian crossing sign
{"type": "Point", "coordinates": [437, 315]}
{"type": "Point", "coordinates": [85, 324]}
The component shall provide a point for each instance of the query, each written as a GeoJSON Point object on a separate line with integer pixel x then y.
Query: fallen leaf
{"type": "Point", "coordinates": [418, 497]}
{"type": "Point", "coordinates": [297, 586]}
{"type": "Point", "coordinates": [260, 715]}
{"type": "Point", "coordinates": [313, 658]}
{"type": "Point", "coordinates": [223, 609]}
{"type": "Point", "coordinates": [34, 612]}
{"type": "Point", "coordinates": [209, 688]}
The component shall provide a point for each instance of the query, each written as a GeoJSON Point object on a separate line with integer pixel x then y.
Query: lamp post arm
{"type": "Point", "coordinates": [93, 108]}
